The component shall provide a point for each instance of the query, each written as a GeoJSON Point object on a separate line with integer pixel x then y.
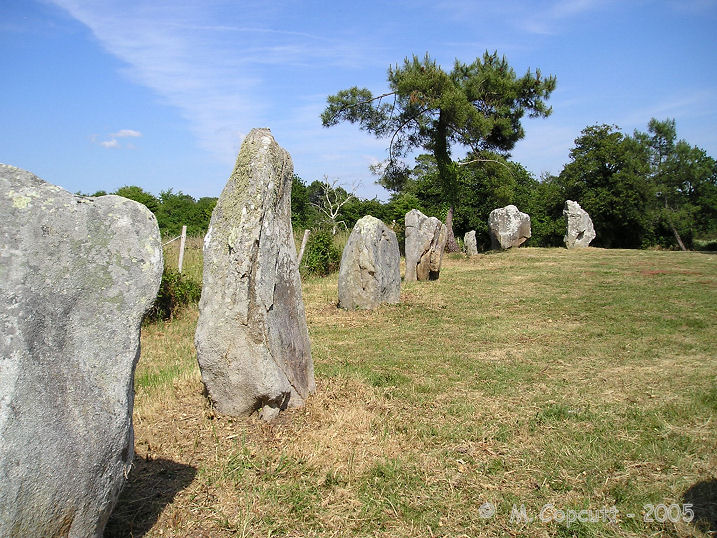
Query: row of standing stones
{"type": "Point", "coordinates": [77, 276]}
{"type": "Point", "coordinates": [369, 274]}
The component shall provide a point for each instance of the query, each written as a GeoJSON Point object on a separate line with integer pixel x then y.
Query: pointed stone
{"type": "Point", "coordinates": [579, 226]}
{"type": "Point", "coordinates": [252, 339]}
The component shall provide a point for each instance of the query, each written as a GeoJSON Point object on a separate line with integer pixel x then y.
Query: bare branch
{"type": "Point", "coordinates": [400, 128]}
{"type": "Point", "coordinates": [482, 161]}
{"type": "Point", "coordinates": [333, 201]}
{"type": "Point", "coordinates": [378, 97]}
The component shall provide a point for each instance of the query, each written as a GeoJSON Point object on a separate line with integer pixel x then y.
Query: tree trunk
{"type": "Point", "coordinates": [451, 243]}
{"type": "Point", "coordinates": [677, 237]}
{"type": "Point", "coordinates": [674, 230]}
{"type": "Point", "coordinates": [447, 175]}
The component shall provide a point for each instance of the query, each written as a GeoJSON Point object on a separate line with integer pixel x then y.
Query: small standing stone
{"type": "Point", "coordinates": [580, 231]}
{"type": "Point", "coordinates": [469, 240]}
{"type": "Point", "coordinates": [252, 339]}
{"type": "Point", "coordinates": [425, 241]}
{"type": "Point", "coordinates": [370, 272]}
{"type": "Point", "coordinates": [508, 227]}
{"type": "Point", "coordinates": [76, 278]}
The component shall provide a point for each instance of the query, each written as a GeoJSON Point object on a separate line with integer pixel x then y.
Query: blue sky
{"type": "Point", "coordinates": [104, 93]}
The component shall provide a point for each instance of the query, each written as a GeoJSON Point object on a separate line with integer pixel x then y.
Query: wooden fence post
{"type": "Point", "coordinates": [181, 247]}
{"type": "Point", "coordinates": [303, 245]}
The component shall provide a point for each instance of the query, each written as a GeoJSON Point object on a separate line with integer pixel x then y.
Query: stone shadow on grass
{"type": "Point", "coordinates": [703, 497]}
{"type": "Point", "coordinates": [151, 486]}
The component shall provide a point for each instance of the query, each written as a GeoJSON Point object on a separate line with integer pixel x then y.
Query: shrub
{"type": "Point", "coordinates": [705, 244]}
{"type": "Point", "coordinates": [321, 256]}
{"type": "Point", "coordinates": [175, 291]}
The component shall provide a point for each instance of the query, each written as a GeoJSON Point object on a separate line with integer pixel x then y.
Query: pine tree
{"type": "Point", "coordinates": [478, 105]}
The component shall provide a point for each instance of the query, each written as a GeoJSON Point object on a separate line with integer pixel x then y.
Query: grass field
{"type": "Point", "coordinates": [583, 379]}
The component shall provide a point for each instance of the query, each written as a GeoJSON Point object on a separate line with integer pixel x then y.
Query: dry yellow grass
{"type": "Point", "coordinates": [511, 380]}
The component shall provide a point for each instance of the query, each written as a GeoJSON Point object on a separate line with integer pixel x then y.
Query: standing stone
{"type": "Point", "coordinates": [425, 241]}
{"type": "Point", "coordinates": [508, 227]}
{"type": "Point", "coordinates": [76, 277]}
{"type": "Point", "coordinates": [469, 240]}
{"type": "Point", "coordinates": [252, 340]}
{"type": "Point", "coordinates": [580, 231]}
{"type": "Point", "coordinates": [370, 272]}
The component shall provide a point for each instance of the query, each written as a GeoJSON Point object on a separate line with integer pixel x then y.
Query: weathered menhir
{"type": "Point", "coordinates": [252, 339]}
{"type": "Point", "coordinates": [76, 277]}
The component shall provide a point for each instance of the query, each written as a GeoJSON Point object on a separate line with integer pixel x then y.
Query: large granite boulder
{"type": "Point", "coordinates": [580, 231]}
{"type": "Point", "coordinates": [469, 240]}
{"type": "Point", "coordinates": [425, 241]}
{"type": "Point", "coordinates": [76, 277]}
{"type": "Point", "coordinates": [252, 340]}
{"type": "Point", "coordinates": [508, 227]}
{"type": "Point", "coordinates": [370, 272]}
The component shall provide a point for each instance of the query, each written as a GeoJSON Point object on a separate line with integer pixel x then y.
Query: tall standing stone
{"type": "Point", "coordinates": [580, 231]}
{"type": "Point", "coordinates": [370, 272]}
{"type": "Point", "coordinates": [425, 241]}
{"type": "Point", "coordinates": [469, 240]}
{"type": "Point", "coordinates": [508, 227]}
{"type": "Point", "coordinates": [252, 340]}
{"type": "Point", "coordinates": [76, 277]}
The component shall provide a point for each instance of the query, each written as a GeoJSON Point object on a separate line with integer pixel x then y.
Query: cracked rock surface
{"type": "Point", "coordinates": [252, 339]}
{"type": "Point", "coordinates": [425, 241]}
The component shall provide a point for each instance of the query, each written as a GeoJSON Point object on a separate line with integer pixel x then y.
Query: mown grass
{"type": "Point", "coordinates": [585, 379]}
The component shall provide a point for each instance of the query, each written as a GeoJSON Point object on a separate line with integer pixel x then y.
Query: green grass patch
{"type": "Point", "coordinates": [584, 379]}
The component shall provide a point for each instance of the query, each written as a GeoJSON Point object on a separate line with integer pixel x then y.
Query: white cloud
{"type": "Point", "coordinates": [217, 63]}
{"type": "Point", "coordinates": [123, 133]}
{"type": "Point", "coordinates": [111, 143]}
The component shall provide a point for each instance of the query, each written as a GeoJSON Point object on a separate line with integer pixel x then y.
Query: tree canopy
{"type": "Point", "coordinates": [607, 176]}
{"type": "Point", "coordinates": [138, 194]}
{"type": "Point", "coordinates": [478, 105]}
{"type": "Point", "coordinates": [684, 179]}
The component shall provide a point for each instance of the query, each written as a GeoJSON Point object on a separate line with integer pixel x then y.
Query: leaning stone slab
{"type": "Point", "coordinates": [370, 271]}
{"type": "Point", "coordinates": [580, 231]}
{"type": "Point", "coordinates": [469, 240]}
{"type": "Point", "coordinates": [425, 241]}
{"type": "Point", "coordinates": [76, 277]}
{"type": "Point", "coordinates": [508, 227]}
{"type": "Point", "coordinates": [252, 340]}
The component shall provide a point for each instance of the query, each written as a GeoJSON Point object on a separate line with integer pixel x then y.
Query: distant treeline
{"type": "Point", "coordinates": [641, 190]}
{"type": "Point", "coordinates": [172, 209]}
